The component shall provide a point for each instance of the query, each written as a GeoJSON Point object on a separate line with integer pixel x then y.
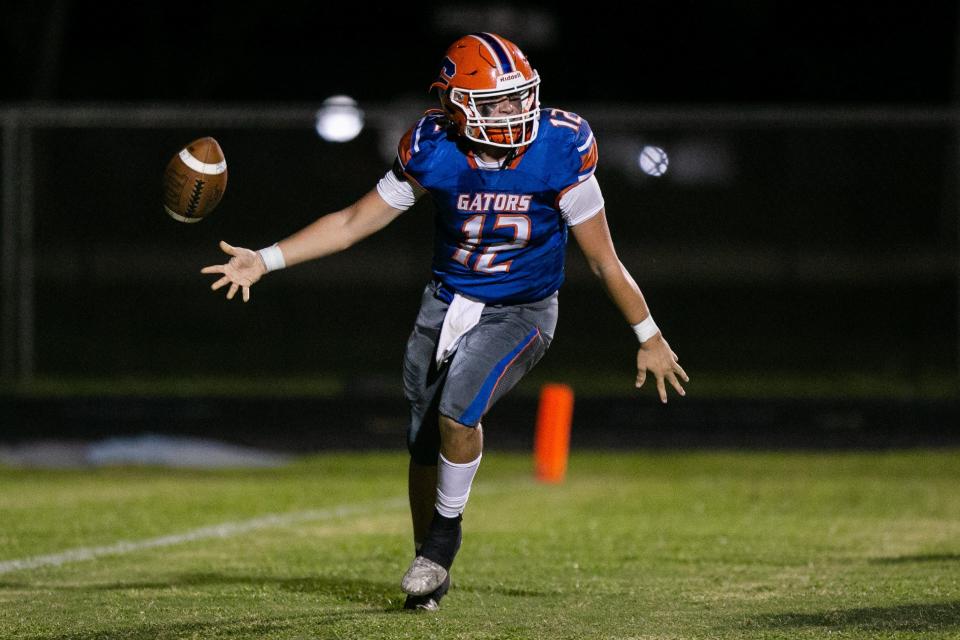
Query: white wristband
{"type": "Point", "coordinates": [272, 257]}
{"type": "Point", "coordinates": [646, 329]}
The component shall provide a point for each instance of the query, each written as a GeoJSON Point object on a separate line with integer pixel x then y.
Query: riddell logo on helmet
{"type": "Point", "coordinates": [510, 77]}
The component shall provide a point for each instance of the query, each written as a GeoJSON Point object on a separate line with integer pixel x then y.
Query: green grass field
{"type": "Point", "coordinates": [632, 545]}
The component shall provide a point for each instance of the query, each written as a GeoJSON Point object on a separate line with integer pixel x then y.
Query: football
{"type": "Point", "coordinates": [195, 180]}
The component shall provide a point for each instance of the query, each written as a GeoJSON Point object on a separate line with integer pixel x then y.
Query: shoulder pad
{"type": "Point", "coordinates": [578, 147]}
{"type": "Point", "coordinates": [421, 137]}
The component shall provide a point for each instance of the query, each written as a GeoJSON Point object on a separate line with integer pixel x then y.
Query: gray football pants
{"type": "Point", "coordinates": [491, 358]}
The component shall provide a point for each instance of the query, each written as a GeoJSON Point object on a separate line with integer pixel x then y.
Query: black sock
{"type": "Point", "coordinates": [443, 540]}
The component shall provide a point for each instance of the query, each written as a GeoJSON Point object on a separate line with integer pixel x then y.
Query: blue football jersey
{"type": "Point", "coordinates": [499, 234]}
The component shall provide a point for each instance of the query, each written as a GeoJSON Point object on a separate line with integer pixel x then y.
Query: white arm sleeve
{"type": "Point", "coordinates": [395, 192]}
{"type": "Point", "coordinates": [582, 202]}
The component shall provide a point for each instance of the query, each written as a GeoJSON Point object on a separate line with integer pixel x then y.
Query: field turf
{"type": "Point", "coordinates": [632, 545]}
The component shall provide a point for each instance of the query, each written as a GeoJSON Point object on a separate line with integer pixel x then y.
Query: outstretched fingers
{"type": "Point", "coordinates": [676, 384]}
{"type": "Point", "coordinates": [231, 273]}
{"type": "Point", "coordinates": [661, 389]}
{"type": "Point", "coordinates": [222, 282]}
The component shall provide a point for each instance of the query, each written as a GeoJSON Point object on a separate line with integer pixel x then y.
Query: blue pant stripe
{"type": "Point", "coordinates": [476, 409]}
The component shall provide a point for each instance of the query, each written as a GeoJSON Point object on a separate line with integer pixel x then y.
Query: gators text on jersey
{"type": "Point", "coordinates": [500, 235]}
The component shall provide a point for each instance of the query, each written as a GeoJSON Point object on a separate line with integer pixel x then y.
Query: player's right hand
{"type": "Point", "coordinates": [243, 270]}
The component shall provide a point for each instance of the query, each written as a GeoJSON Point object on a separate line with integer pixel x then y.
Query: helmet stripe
{"type": "Point", "coordinates": [498, 49]}
{"type": "Point", "coordinates": [503, 43]}
{"type": "Point", "coordinates": [484, 43]}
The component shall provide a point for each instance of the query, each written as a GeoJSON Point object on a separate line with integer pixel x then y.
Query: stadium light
{"type": "Point", "coordinates": [339, 119]}
{"type": "Point", "coordinates": [653, 161]}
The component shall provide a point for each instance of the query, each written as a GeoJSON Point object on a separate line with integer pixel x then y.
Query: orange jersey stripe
{"type": "Point", "coordinates": [404, 149]}
{"type": "Point", "coordinates": [588, 161]}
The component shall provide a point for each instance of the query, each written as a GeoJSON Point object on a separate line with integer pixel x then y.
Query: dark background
{"type": "Point", "coordinates": [822, 260]}
{"type": "Point", "coordinates": [735, 51]}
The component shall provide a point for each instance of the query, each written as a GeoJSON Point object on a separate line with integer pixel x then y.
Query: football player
{"type": "Point", "coordinates": [510, 181]}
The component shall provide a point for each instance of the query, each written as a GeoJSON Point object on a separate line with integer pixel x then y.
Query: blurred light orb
{"type": "Point", "coordinates": [653, 161]}
{"type": "Point", "coordinates": [339, 119]}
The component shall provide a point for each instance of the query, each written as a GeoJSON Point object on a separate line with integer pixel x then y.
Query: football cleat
{"type": "Point", "coordinates": [423, 577]}
{"type": "Point", "coordinates": [430, 568]}
{"type": "Point", "coordinates": [429, 602]}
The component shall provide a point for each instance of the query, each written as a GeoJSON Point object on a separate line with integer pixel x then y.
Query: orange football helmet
{"type": "Point", "coordinates": [490, 91]}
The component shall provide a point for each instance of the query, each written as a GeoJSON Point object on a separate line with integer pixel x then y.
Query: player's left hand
{"type": "Point", "coordinates": [656, 356]}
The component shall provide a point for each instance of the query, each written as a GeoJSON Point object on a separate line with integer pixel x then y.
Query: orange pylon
{"type": "Point", "coordinates": [551, 443]}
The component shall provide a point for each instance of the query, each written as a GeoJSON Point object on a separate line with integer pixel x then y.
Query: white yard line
{"type": "Point", "coordinates": [223, 530]}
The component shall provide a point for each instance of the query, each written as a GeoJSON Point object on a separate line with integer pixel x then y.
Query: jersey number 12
{"type": "Point", "coordinates": [473, 231]}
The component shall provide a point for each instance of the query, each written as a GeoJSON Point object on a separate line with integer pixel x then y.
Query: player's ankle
{"type": "Point", "coordinates": [443, 541]}
{"type": "Point", "coordinates": [443, 522]}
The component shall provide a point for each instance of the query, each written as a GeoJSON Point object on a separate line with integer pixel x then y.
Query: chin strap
{"type": "Point", "coordinates": [507, 159]}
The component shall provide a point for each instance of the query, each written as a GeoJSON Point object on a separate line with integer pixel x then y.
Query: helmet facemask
{"type": "Point", "coordinates": [479, 113]}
